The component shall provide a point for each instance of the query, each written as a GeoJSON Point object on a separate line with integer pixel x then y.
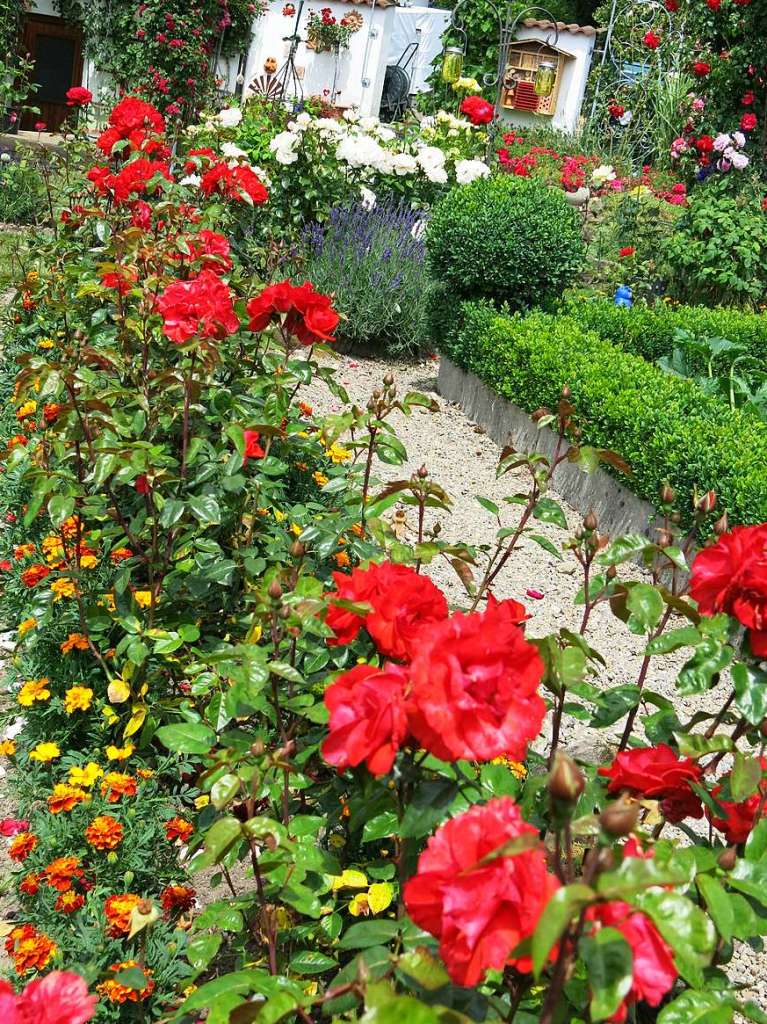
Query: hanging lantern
{"type": "Point", "coordinates": [545, 76]}
{"type": "Point", "coordinates": [452, 64]}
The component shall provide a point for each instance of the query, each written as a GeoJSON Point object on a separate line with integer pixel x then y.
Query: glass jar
{"type": "Point", "coordinates": [545, 77]}
{"type": "Point", "coordinates": [452, 64]}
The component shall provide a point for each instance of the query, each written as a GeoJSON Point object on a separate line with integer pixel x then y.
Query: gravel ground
{"type": "Point", "coordinates": [460, 457]}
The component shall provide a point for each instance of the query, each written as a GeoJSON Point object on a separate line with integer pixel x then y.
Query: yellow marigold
{"type": "Point", "coordinates": [7, 748]}
{"type": "Point", "coordinates": [358, 530]}
{"type": "Point", "coordinates": [145, 773]}
{"type": "Point", "coordinates": [64, 797]}
{"type": "Point", "coordinates": [26, 626]}
{"type": "Point", "coordinates": [75, 642]}
{"type": "Point", "coordinates": [65, 587]}
{"type": "Point", "coordinates": [338, 454]}
{"type": "Point", "coordinates": [88, 561]}
{"type": "Point", "coordinates": [70, 527]}
{"type": "Point", "coordinates": [85, 776]}
{"type": "Point", "coordinates": [114, 992]}
{"type": "Point", "coordinates": [105, 832]}
{"type": "Point", "coordinates": [78, 698]}
{"type": "Point", "coordinates": [119, 753]}
{"type": "Point", "coordinates": [143, 598]}
{"type": "Point", "coordinates": [296, 530]}
{"type": "Point", "coordinates": [33, 690]}
{"type": "Point", "coordinates": [118, 910]}
{"type": "Point", "coordinates": [515, 767]}
{"type": "Point", "coordinates": [22, 551]}
{"type": "Point", "coordinates": [45, 753]}
{"type": "Point", "coordinates": [320, 479]}
{"type": "Point", "coordinates": [46, 343]}
{"type": "Point", "coordinates": [27, 409]}
{"type": "Point", "coordinates": [52, 547]}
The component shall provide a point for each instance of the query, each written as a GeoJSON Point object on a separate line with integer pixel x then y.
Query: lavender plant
{"type": "Point", "coordinates": [372, 260]}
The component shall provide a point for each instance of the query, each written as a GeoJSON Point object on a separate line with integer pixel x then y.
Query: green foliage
{"type": "Point", "coordinates": [22, 192]}
{"type": "Point", "coordinates": [505, 239]}
{"type": "Point", "coordinates": [664, 427]}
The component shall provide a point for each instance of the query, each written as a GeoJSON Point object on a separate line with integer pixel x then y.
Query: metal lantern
{"type": "Point", "coordinates": [452, 64]}
{"type": "Point", "coordinates": [545, 77]}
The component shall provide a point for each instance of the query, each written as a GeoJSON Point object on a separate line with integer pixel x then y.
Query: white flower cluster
{"type": "Point", "coordinates": [365, 144]}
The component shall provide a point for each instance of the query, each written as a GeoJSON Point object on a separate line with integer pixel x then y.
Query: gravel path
{"type": "Point", "coordinates": [460, 457]}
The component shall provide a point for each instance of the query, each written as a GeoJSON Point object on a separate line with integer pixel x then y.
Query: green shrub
{"type": "Point", "coordinates": [664, 426]}
{"type": "Point", "coordinates": [648, 331]}
{"type": "Point", "coordinates": [505, 239]}
{"type": "Point", "coordinates": [22, 193]}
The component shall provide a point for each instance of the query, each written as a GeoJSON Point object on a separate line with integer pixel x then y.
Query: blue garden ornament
{"type": "Point", "coordinates": [624, 296]}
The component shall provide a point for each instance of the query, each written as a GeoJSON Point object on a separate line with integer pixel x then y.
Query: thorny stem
{"type": "Point", "coordinates": [187, 404]}
{"type": "Point", "coordinates": [368, 469]}
{"type": "Point", "coordinates": [644, 669]}
{"type": "Point", "coordinates": [720, 717]}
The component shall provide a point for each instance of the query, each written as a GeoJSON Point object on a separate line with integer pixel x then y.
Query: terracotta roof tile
{"type": "Point", "coordinates": [575, 30]}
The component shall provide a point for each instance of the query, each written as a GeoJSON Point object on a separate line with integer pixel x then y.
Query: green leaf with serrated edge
{"type": "Point", "coordinates": [696, 744]}
{"type": "Point", "coordinates": [697, 1008]}
{"type": "Point", "coordinates": [622, 549]}
{"type": "Point", "coordinates": [745, 777]}
{"type": "Point", "coordinates": [380, 827]}
{"type": "Point", "coordinates": [718, 904]}
{"type": "Point", "coordinates": [666, 643]}
{"type": "Point", "coordinates": [634, 874]}
{"type": "Point", "coordinates": [701, 671]}
{"type": "Point", "coordinates": [488, 505]}
{"type": "Point", "coordinates": [369, 933]}
{"type": "Point", "coordinates": [309, 961]}
{"type": "Point", "coordinates": [564, 905]}
{"type": "Point", "coordinates": [609, 966]}
{"type": "Point", "coordinates": [645, 605]}
{"type": "Point", "coordinates": [756, 844]}
{"type": "Point", "coordinates": [546, 544]}
{"type": "Point", "coordinates": [219, 838]}
{"type": "Point", "coordinates": [201, 949]}
{"type": "Point", "coordinates": [750, 692]}
{"type": "Point", "coordinates": [750, 878]}
{"type": "Point", "coordinates": [426, 969]}
{"type": "Point", "coordinates": [549, 511]}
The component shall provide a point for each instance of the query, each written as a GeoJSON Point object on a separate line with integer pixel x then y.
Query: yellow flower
{"type": "Point", "coordinates": [7, 748]}
{"type": "Point", "coordinates": [52, 547]}
{"type": "Point", "coordinates": [279, 516]}
{"type": "Point", "coordinates": [45, 753]}
{"type": "Point", "coordinates": [320, 479]}
{"type": "Point", "coordinates": [46, 343]}
{"type": "Point", "coordinates": [25, 626]}
{"type": "Point", "coordinates": [86, 776]}
{"type": "Point", "coordinates": [32, 690]}
{"type": "Point", "coordinates": [296, 530]}
{"type": "Point", "coordinates": [78, 698]}
{"type": "Point", "coordinates": [145, 773]}
{"type": "Point", "coordinates": [119, 753]}
{"type": "Point", "coordinates": [88, 562]}
{"type": "Point", "coordinates": [338, 454]}
{"type": "Point", "coordinates": [65, 587]}
{"type": "Point", "coordinates": [27, 409]}
{"type": "Point", "coordinates": [108, 602]}
{"type": "Point", "coordinates": [143, 598]}
{"type": "Point", "coordinates": [515, 767]}
{"type": "Point", "coordinates": [201, 801]}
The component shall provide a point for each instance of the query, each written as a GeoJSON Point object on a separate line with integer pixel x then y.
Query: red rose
{"type": "Point", "coordinates": [627, 250]}
{"type": "Point", "coordinates": [212, 250]}
{"type": "Point", "coordinates": [701, 68]}
{"type": "Point", "coordinates": [653, 969]}
{"type": "Point", "coordinates": [616, 110]}
{"type": "Point", "coordinates": [705, 144]}
{"type": "Point", "coordinates": [403, 603]}
{"type": "Point", "coordinates": [672, 6]}
{"type": "Point", "coordinates": [142, 485]}
{"type": "Point", "coordinates": [133, 120]}
{"type": "Point", "coordinates": [201, 306]}
{"type": "Point", "coordinates": [748, 98]}
{"type": "Point", "coordinates": [748, 122]}
{"type": "Point", "coordinates": [652, 40]}
{"type": "Point", "coordinates": [740, 818]}
{"type": "Point", "coordinates": [308, 315]}
{"type": "Point", "coordinates": [479, 912]}
{"type": "Point", "coordinates": [253, 449]}
{"type": "Point", "coordinates": [78, 96]}
{"type": "Point", "coordinates": [714, 5]}
{"type": "Point", "coordinates": [475, 686]}
{"type": "Point", "coordinates": [133, 177]}
{"type": "Point", "coordinates": [368, 720]}
{"type": "Point", "coordinates": [657, 773]}
{"type": "Point", "coordinates": [478, 110]}
{"type": "Point", "coordinates": [731, 576]}
{"type": "Point", "coordinates": [238, 183]}
{"type": "Point", "coordinates": [13, 826]}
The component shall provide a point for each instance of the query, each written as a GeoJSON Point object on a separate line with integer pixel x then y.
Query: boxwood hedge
{"type": "Point", "coordinates": [663, 425]}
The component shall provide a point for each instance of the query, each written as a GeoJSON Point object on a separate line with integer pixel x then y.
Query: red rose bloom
{"type": "Point", "coordinates": [201, 306]}
{"type": "Point", "coordinates": [78, 96]}
{"type": "Point", "coordinates": [368, 720]}
{"type": "Point", "coordinates": [653, 969]}
{"type": "Point", "coordinates": [134, 177]}
{"type": "Point", "coordinates": [239, 182]}
{"type": "Point", "coordinates": [748, 98]}
{"type": "Point", "coordinates": [652, 40]}
{"type": "Point", "coordinates": [714, 5]}
{"type": "Point", "coordinates": [135, 121]}
{"type": "Point", "coordinates": [212, 250]}
{"type": "Point", "coordinates": [659, 774]}
{"type": "Point", "coordinates": [403, 603]}
{"type": "Point", "coordinates": [740, 818]}
{"type": "Point", "coordinates": [474, 693]}
{"type": "Point", "coordinates": [672, 6]}
{"type": "Point", "coordinates": [701, 68]}
{"type": "Point", "coordinates": [627, 250]}
{"type": "Point", "coordinates": [477, 110]}
{"type": "Point", "coordinates": [704, 144]}
{"type": "Point", "coordinates": [253, 449]}
{"type": "Point", "coordinates": [748, 122]}
{"type": "Point", "coordinates": [308, 315]}
{"type": "Point", "coordinates": [479, 912]}
{"type": "Point", "coordinates": [731, 576]}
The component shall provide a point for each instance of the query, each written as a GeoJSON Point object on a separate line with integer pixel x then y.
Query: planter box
{"type": "Point", "coordinates": [618, 511]}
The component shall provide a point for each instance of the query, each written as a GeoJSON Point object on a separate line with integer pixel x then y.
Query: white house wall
{"type": "Point", "coordinates": [361, 67]}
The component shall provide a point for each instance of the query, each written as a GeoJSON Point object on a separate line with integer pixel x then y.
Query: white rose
{"type": "Point", "coordinates": [404, 163]}
{"type": "Point", "coordinates": [369, 199]}
{"type": "Point", "coordinates": [739, 139]}
{"type": "Point", "coordinates": [5, 157]}
{"type": "Point", "coordinates": [603, 173]}
{"type": "Point", "coordinates": [467, 171]}
{"type": "Point", "coordinates": [191, 179]}
{"type": "Point", "coordinates": [352, 115]}
{"type": "Point", "coordinates": [436, 174]}
{"type": "Point", "coordinates": [368, 124]}
{"type": "Point", "coordinates": [304, 120]}
{"type": "Point", "coordinates": [230, 117]}
{"type": "Point", "coordinates": [232, 152]}
{"type": "Point", "coordinates": [431, 156]}
{"type": "Point", "coordinates": [385, 134]}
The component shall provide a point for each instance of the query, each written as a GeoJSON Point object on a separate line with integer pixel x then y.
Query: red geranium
{"type": "Point", "coordinates": [701, 68]}
{"type": "Point", "coordinates": [731, 576]}
{"type": "Point", "coordinates": [368, 719]}
{"type": "Point", "coordinates": [478, 110]}
{"type": "Point", "coordinates": [659, 774]}
{"type": "Point", "coordinates": [308, 315]}
{"type": "Point", "coordinates": [739, 819]}
{"type": "Point", "coordinates": [652, 40]}
{"type": "Point", "coordinates": [78, 96]}
{"type": "Point", "coordinates": [239, 182]}
{"type": "Point", "coordinates": [201, 306]}
{"type": "Point", "coordinates": [253, 449]}
{"type": "Point", "coordinates": [475, 684]}
{"type": "Point", "coordinates": [403, 603]}
{"type": "Point", "coordinates": [480, 912]}
{"type": "Point", "coordinates": [748, 122]}
{"type": "Point", "coordinates": [653, 969]}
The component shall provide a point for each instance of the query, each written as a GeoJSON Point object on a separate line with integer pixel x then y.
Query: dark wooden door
{"type": "Point", "coordinates": [57, 50]}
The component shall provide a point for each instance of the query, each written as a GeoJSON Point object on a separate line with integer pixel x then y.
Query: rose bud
{"type": "Point", "coordinates": [620, 817]}
{"type": "Point", "coordinates": [706, 502]}
{"type": "Point", "coordinates": [566, 780]}
{"type": "Point", "coordinates": [590, 522]}
{"type": "Point", "coordinates": [667, 494]}
{"type": "Point", "coordinates": [388, 380]}
{"type": "Point", "coordinates": [566, 392]}
{"type": "Point", "coordinates": [275, 590]}
{"type": "Point", "coordinates": [727, 858]}
{"type": "Point", "coordinates": [665, 540]}
{"type": "Point", "coordinates": [297, 549]}
{"type": "Point", "coordinates": [722, 525]}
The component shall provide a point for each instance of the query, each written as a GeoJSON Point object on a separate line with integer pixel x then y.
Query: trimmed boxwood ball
{"type": "Point", "coordinates": [505, 239]}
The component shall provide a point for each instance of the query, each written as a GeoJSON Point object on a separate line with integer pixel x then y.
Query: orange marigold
{"type": "Point", "coordinates": [34, 575]}
{"type": "Point", "coordinates": [118, 910]}
{"type": "Point", "coordinates": [120, 554]}
{"type": "Point", "coordinates": [22, 846]}
{"type": "Point", "coordinates": [61, 872]}
{"type": "Point", "coordinates": [74, 642]}
{"type": "Point", "coordinates": [30, 884]}
{"type": "Point", "coordinates": [22, 551]}
{"type": "Point", "coordinates": [177, 897]}
{"type": "Point", "coordinates": [69, 902]}
{"type": "Point", "coordinates": [64, 797]}
{"type": "Point", "coordinates": [178, 828]}
{"type": "Point", "coordinates": [104, 833]}
{"type": "Point", "coordinates": [117, 784]}
{"type": "Point", "coordinates": [114, 992]}
{"type": "Point", "coordinates": [7, 748]}
{"type": "Point", "coordinates": [29, 949]}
